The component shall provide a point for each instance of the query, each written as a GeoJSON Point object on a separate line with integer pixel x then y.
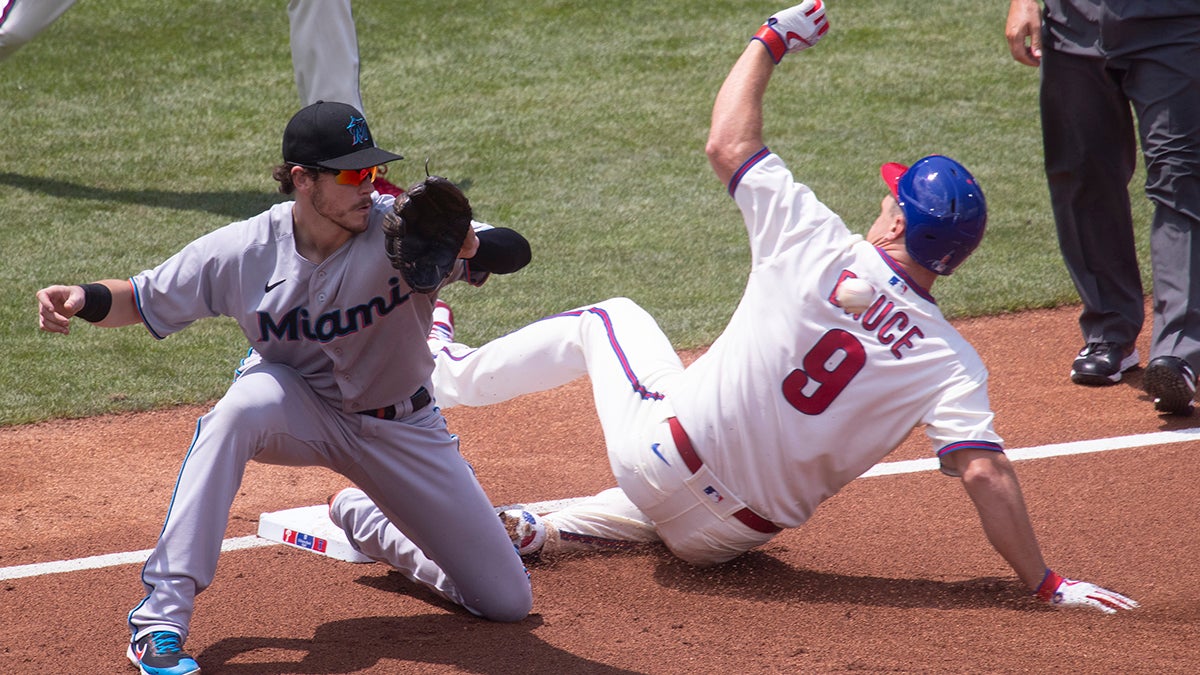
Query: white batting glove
{"type": "Point", "coordinates": [794, 29]}
{"type": "Point", "coordinates": [1062, 592]}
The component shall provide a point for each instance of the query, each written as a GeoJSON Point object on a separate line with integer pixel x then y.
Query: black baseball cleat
{"type": "Point", "coordinates": [161, 653]}
{"type": "Point", "coordinates": [1101, 363]}
{"type": "Point", "coordinates": [1171, 382]}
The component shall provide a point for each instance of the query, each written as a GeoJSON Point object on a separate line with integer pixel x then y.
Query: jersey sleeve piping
{"type": "Point", "coordinates": [137, 302]}
{"type": "Point", "coordinates": [745, 167]}
{"type": "Point", "coordinates": [970, 445]}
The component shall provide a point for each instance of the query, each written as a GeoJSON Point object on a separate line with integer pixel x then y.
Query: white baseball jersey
{"type": "Point", "coordinates": [326, 321]}
{"type": "Point", "coordinates": [797, 397]}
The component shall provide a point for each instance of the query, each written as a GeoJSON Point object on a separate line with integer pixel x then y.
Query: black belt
{"type": "Point", "coordinates": [419, 400]}
{"type": "Point", "coordinates": [692, 461]}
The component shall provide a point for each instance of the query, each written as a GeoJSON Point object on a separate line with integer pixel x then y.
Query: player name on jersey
{"type": "Point", "coordinates": [893, 328]}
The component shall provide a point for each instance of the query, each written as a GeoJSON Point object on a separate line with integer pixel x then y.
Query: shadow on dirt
{"type": "Point", "coordinates": [759, 576]}
{"type": "Point", "coordinates": [353, 645]}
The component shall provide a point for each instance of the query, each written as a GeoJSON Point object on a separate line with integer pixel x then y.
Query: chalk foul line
{"type": "Point", "coordinates": [882, 469]}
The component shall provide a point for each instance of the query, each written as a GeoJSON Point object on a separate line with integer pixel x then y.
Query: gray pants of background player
{"type": "Point", "coordinates": [322, 33]}
{"type": "Point", "coordinates": [1091, 154]}
{"type": "Point", "coordinates": [25, 19]}
{"type": "Point", "coordinates": [410, 467]}
{"type": "Point", "coordinates": [324, 51]}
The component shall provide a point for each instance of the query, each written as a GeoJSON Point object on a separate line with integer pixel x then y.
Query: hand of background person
{"type": "Point", "coordinates": [1024, 31]}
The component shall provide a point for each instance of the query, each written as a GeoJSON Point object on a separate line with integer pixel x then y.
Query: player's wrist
{"type": "Point", "coordinates": [772, 41]}
{"type": "Point", "coordinates": [97, 302]}
{"type": "Point", "coordinates": [1049, 586]}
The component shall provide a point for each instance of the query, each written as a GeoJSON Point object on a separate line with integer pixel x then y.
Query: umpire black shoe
{"type": "Point", "coordinates": [1171, 382]}
{"type": "Point", "coordinates": [1101, 363]}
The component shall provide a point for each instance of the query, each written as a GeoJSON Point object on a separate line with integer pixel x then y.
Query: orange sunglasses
{"type": "Point", "coordinates": [356, 176]}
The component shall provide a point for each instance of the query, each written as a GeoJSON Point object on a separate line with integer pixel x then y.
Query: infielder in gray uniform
{"type": "Point", "coordinates": [807, 387]}
{"type": "Point", "coordinates": [1098, 57]}
{"type": "Point", "coordinates": [340, 379]}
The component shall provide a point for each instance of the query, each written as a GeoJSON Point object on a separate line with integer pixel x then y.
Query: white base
{"type": "Point", "coordinates": [309, 528]}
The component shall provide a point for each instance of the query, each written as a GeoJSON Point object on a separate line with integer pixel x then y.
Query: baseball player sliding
{"type": "Point", "coordinates": [799, 395]}
{"type": "Point", "coordinates": [334, 291]}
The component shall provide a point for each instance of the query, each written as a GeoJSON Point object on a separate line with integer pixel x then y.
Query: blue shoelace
{"type": "Point", "coordinates": [166, 642]}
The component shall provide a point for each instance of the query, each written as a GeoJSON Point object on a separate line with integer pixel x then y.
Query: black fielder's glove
{"type": "Point", "coordinates": [425, 232]}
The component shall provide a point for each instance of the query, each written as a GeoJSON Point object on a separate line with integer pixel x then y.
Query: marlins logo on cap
{"type": "Point", "coordinates": [332, 135]}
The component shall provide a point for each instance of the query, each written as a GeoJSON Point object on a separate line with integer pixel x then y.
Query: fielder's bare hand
{"type": "Point", "coordinates": [1062, 592]}
{"type": "Point", "coordinates": [794, 29]}
{"type": "Point", "coordinates": [56, 306]}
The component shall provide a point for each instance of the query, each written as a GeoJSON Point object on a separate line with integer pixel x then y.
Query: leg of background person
{"type": "Point", "coordinates": [325, 59]}
{"type": "Point", "coordinates": [22, 20]}
{"type": "Point", "coordinates": [1165, 89]}
{"type": "Point", "coordinates": [324, 51]}
{"type": "Point", "coordinates": [1090, 155]}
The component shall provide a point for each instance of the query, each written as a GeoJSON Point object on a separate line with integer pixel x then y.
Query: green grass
{"type": "Point", "coordinates": [131, 127]}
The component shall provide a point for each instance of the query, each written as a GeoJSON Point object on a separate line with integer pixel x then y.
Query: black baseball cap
{"type": "Point", "coordinates": [332, 135]}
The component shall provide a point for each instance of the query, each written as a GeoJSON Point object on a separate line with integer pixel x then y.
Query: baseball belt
{"type": "Point", "coordinates": [692, 461]}
{"type": "Point", "coordinates": [418, 400]}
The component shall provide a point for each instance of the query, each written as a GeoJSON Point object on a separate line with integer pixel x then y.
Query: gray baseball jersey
{"type": "Point", "coordinates": [332, 340]}
{"type": "Point", "coordinates": [326, 321]}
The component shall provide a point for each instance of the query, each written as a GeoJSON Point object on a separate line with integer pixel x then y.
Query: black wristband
{"type": "Point", "coordinates": [97, 300]}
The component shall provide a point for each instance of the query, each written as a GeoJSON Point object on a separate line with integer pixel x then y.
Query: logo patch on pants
{"type": "Point", "coordinates": [713, 494]}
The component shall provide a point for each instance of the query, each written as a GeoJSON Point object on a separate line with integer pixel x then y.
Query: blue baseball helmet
{"type": "Point", "coordinates": [944, 209]}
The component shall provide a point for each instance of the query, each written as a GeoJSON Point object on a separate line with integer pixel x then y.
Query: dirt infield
{"type": "Point", "coordinates": [893, 574]}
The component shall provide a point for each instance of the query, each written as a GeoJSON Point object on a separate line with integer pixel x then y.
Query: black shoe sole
{"type": "Point", "coordinates": [1093, 380]}
{"type": "Point", "coordinates": [1169, 390]}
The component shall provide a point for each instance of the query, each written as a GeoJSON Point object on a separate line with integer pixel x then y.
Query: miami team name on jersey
{"type": "Point", "coordinates": [295, 324]}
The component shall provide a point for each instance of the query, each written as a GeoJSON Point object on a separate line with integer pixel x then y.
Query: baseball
{"type": "Point", "coordinates": [855, 295]}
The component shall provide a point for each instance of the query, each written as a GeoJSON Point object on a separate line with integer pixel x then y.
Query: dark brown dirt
{"type": "Point", "coordinates": [892, 575]}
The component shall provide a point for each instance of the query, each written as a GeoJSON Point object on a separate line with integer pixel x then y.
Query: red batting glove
{"type": "Point", "coordinates": [794, 29]}
{"type": "Point", "coordinates": [1062, 592]}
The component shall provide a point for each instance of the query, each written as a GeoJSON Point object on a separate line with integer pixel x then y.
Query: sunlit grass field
{"type": "Point", "coordinates": [130, 127]}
